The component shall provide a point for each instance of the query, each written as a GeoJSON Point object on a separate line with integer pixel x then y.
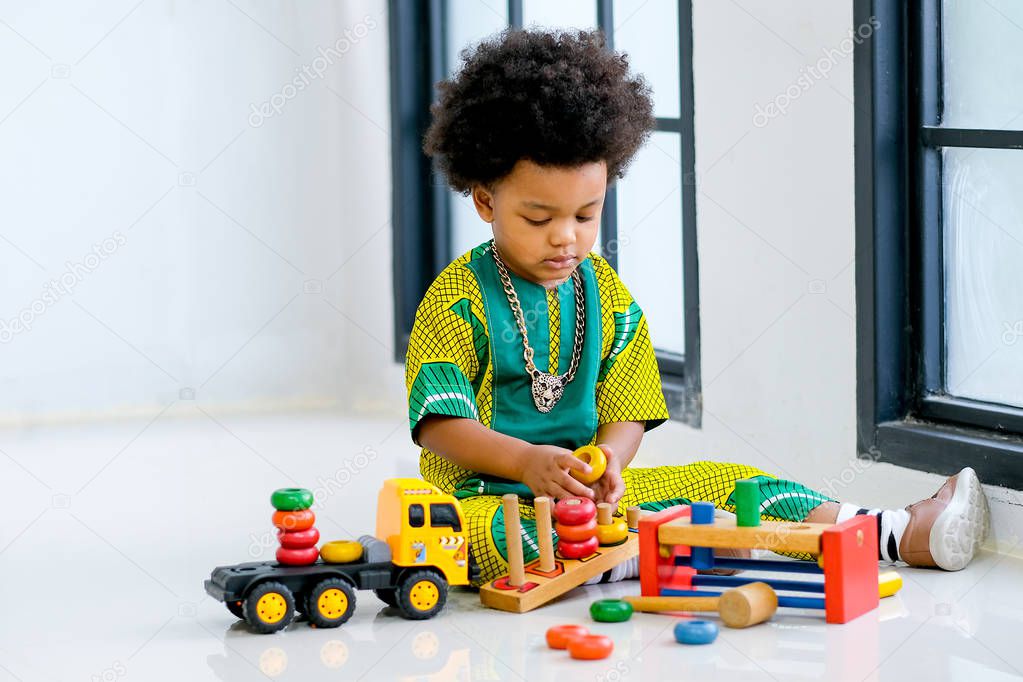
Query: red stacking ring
{"type": "Point", "coordinates": [578, 550]}
{"type": "Point", "coordinates": [298, 539]}
{"type": "Point", "coordinates": [571, 511]}
{"type": "Point", "coordinates": [297, 557]}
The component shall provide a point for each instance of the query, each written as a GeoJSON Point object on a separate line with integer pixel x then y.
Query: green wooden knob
{"type": "Point", "coordinates": [610, 610]}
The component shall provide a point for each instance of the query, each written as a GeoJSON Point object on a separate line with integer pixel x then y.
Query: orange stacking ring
{"type": "Point", "coordinates": [590, 647]}
{"type": "Point", "coordinates": [559, 635]}
{"type": "Point", "coordinates": [302, 519]}
{"type": "Point", "coordinates": [577, 533]}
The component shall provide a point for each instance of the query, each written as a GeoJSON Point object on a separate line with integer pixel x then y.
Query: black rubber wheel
{"type": "Point", "coordinates": [388, 596]}
{"type": "Point", "coordinates": [422, 595]}
{"type": "Point", "coordinates": [269, 607]}
{"type": "Point", "coordinates": [236, 608]}
{"type": "Point", "coordinates": [330, 603]}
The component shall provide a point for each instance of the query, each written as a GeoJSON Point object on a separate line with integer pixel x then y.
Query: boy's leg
{"type": "Point", "coordinates": [945, 530]}
{"type": "Point", "coordinates": [484, 514]}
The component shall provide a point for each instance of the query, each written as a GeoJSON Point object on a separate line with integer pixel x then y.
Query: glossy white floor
{"type": "Point", "coordinates": [108, 532]}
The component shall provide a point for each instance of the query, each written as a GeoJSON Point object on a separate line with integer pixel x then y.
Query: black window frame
{"type": "Point", "coordinates": [421, 215]}
{"type": "Point", "coordinates": [904, 415]}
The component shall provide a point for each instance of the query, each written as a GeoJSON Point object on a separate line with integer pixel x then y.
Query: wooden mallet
{"type": "Point", "coordinates": [739, 607]}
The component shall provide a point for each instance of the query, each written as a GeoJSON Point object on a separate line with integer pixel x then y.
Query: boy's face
{"type": "Point", "coordinates": [545, 218]}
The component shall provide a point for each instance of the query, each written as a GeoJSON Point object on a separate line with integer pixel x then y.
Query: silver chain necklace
{"type": "Point", "coordinates": [547, 388]}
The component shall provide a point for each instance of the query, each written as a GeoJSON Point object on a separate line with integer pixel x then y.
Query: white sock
{"type": "Point", "coordinates": [891, 525]}
{"type": "Point", "coordinates": [627, 570]}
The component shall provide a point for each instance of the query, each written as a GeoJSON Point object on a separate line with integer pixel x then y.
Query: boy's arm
{"type": "Point", "coordinates": [473, 446]}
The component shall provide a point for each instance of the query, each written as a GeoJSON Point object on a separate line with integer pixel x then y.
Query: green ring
{"type": "Point", "coordinates": [610, 610]}
{"type": "Point", "coordinates": [291, 499]}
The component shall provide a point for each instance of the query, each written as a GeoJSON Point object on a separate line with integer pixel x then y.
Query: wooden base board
{"type": "Point", "coordinates": [541, 588]}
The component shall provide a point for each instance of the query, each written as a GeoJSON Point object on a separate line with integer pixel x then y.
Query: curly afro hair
{"type": "Point", "coordinates": [556, 98]}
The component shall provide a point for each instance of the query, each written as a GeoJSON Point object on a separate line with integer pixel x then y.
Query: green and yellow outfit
{"type": "Point", "coordinates": [465, 360]}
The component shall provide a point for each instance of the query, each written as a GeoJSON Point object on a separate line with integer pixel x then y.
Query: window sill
{"type": "Point", "coordinates": [944, 449]}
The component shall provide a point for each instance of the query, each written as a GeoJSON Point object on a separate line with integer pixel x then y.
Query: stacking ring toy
{"type": "Point", "coordinates": [297, 557]}
{"type": "Point", "coordinates": [610, 610]}
{"type": "Point", "coordinates": [558, 636]}
{"type": "Point", "coordinates": [577, 533]}
{"type": "Point", "coordinates": [294, 520]}
{"type": "Point", "coordinates": [614, 533]}
{"type": "Point", "coordinates": [341, 551]}
{"type": "Point", "coordinates": [595, 457]}
{"type": "Point", "coordinates": [695, 632]}
{"type": "Point", "coordinates": [590, 647]}
{"type": "Point", "coordinates": [291, 499]}
{"type": "Point", "coordinates": [298, 539]}
{"type": "Point", "coordinates": [571, 511]}
{"type": "Point", "coordinates": [577, 550]}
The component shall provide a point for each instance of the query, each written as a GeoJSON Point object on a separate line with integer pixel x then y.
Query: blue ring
{"type": "Point", "coordinates": [696, 632]}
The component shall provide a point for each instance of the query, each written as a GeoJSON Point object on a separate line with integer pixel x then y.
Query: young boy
{"type": "Point", "coordinates": [529, 346]}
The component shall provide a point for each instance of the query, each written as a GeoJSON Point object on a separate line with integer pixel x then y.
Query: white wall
{"type": "Point", "coordinates": [232, 239]}
{"type": "Point", "coordinates": [193, 291]}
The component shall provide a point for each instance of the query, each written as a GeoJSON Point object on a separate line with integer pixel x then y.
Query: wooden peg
{"type": "Point", "coordinates": [632, 516]}
{"type": "Point", "coordinates": [542, 505]}
{"type": "Point", "coordinates": [605, 510]}
{"type": "Point", "coordinates": [513, 539]}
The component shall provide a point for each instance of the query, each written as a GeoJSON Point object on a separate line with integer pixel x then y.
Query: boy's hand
{"type": "Point", "coordinates": [546, 472]}
{"type": "Point", "coordinates": [610, 487]}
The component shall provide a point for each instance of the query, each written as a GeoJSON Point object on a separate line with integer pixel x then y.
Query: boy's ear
{"type": "Point", "coordinates": [484, 202]}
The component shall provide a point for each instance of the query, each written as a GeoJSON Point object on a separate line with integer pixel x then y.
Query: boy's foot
{"type": "Point", "coordinates": [946, 530]}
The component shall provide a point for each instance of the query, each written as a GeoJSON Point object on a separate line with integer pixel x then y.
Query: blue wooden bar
{"type": "Point", "coordinates": [735, 581]}
{"type": "Point", "coordinates": [783, 600]}
{"type": "Point", "coordinates": [760, 565]}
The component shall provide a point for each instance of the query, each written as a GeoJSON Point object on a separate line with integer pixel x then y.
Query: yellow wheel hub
{"type": "Point", "coordinates": [271, 607]}
{"type": "Point", "coordinates": [424, 595]}
{"type": "Point", "coordinates": [332, 603]}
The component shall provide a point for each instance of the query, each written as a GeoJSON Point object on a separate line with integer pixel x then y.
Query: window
{"type": "Point", "coordinates": [416, 515]}
{"type": "Point", "coordinates": [648, 214]}
{"type": "Point", "coordinates": [445, 515]}
{"type": "Point", "coordinates": [939, 135]}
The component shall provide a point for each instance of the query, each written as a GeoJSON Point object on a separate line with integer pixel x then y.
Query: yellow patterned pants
{"type": "Point", "coordinates": [652, 489]}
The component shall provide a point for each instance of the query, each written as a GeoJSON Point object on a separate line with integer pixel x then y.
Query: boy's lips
{"type": "Point", "coordinates": [560, 262]}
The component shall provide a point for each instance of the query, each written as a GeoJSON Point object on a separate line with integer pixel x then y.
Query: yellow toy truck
{"type": "Point", "coordinates": [421, 547]}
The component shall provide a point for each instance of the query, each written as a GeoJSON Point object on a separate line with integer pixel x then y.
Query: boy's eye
{"type": "Point", "coordinates": [584, 218]}
{"type": "Point", "coordinates": [537, 223]}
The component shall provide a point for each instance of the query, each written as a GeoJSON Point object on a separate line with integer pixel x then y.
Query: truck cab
{"type": "Point", "coordinates": [424, 527]}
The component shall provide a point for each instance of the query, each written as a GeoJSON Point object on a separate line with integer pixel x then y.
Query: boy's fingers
{"type": "Point", "coordinates": [567, 461]}
{"type": "Point", "coordinates": [575, 488]}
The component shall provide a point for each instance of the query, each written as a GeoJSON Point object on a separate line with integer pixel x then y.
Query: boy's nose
{"type": "Point", "coordinates": [562, 232]}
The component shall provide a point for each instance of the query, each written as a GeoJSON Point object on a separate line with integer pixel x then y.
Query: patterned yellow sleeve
{"type": "Point", "coordinates": [447, 350]}
{"type": "Point", "coordinates": [629, 383]}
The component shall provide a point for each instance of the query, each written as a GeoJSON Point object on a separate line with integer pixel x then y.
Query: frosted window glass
{"type": "Point", "coordinates": [982, 45]}
{"type": "Point", "coordinates": [560, 14]}
{"type": "Point", "coordinates": [650, 238]}
{"type": "Point", "coordinates": [983, 241]}
{"type": "Point", "coordinates": [648, 33]}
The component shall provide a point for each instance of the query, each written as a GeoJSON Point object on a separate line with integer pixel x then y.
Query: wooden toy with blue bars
{"type": "Point", "coordinates": [677, 542]}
